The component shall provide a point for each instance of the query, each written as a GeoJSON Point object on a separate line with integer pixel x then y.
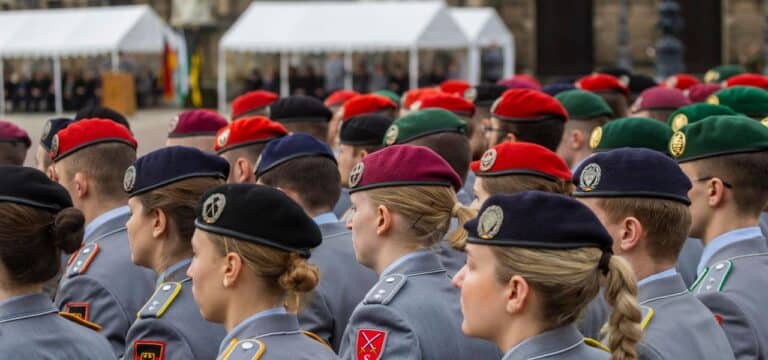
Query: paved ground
{"type": "Point", "coordinates": [149, 126]}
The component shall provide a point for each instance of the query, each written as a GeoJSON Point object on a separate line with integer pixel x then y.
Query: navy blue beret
{"type": "Point", "coordinates": [631, 172]}
{"type": "Point", "coordinates": [290, 147]}
{"type": "Point", "coordinates": [171, 164]}
{"type": "Point", "coordinates": [30, 187]}
{"type": "Point", "coordinates": [258, 214]}
{"type": "Point", "coordinates": [366, 129]}
{"type": "Point", "coordinates": [556, 88]}
{"type": "Point", "coordinates": [299, 108]}
{"type": "Point", "coordinates": [536, 219]}
{"type": "Point", "coordinates": [52, 126]}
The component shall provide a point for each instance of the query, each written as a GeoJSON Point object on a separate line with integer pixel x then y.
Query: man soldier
{"type": "Point", "coordinates": [241, 143]}
{"type": "Point", "coordinates": [586, 111]}
{"type": "Point", "coordinates": [252, 103]}
{"type": "Point", "coordinates": [195, 128]}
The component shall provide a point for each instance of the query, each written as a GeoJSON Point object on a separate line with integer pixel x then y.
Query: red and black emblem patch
{"type": "Point", "coordinates": [148, 350]}
{"type": "Point", "coordinates": [79, 309]}
{"type": "Point", "coordinates": [370, 344]}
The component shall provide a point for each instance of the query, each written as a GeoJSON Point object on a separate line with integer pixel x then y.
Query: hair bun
{"type": "Point", "coordinates": [301, 276]}
{"type": "Point", "coordinates": [67, 229]}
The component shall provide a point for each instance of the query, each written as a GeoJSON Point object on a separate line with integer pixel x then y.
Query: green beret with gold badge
{"type": "Point", "coordinates": [722, 73]}
{"type": "Point", "coordinates": [718, 136]}
{"type": "Point", "coordinates": [632, 132]}
{"type": "Point", "coordinates": [692, 113]}
{"type": "Point", "coordinates": [747, 100]}
{"type": "Point", "coordinates": [421, 123]}
{"type": "Point", "coordinates": [583, 105]}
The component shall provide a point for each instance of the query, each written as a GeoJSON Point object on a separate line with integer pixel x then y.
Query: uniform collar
{"type": "Point", "coordinates": [660, 285]}
{"type": "Point", "coordinates": [96, 224]}
{"type": "Point", "coordinates": [274, 320]}
{"type": "Point", "coordinates": [546, 344]}
{"type": "Point", "coordinates": [333, 229]}
{"type": "Point", "coordinates": [659, 275]}
{"type": "Point", "coordinates": [175, 272]}
{"type": "Point", "coordinates": [725, 246]}
{"type": "Point", "coordinates": [325, 218]}
{"type": "Point", "coordinates": [26, 306]}
{"type": "Point", "coordinates": [414, 263]}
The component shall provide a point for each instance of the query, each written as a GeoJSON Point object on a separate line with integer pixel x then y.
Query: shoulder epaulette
{"type": "Point", "coordinates": [317, 338]}
{"type": "Point", "coordinates": [385, 290]}
{"type": "Point", "coordinates": [647, 315]}
{"type": "Point", "coordinates": [80, 321]}
{"type": "Point", "coordinates": [82, 259]}
{"type": "Point", "coordinates": [596, 344]}
{"type": "Point", "coordinates": [713, 278]}
{"type": "Point", "coordinates": [250, 349]}
{"type": "Point", "coordinates": [160, 300]}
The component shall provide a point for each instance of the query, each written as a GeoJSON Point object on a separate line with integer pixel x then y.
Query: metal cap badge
{"type": "Point", "coordinates": [356, 174]}
{"type": "Point", "coordinates": [488, 159]}
{"type": "Point", "coordinates": [590, 177]}
{"type": "Point", "coordinates": [223, 138]}
{"type": "Point", "coordinates": [129, 179]}
{"type": "Point", "coordinates": [677, 144]}
{"type": "Point", "coordinates": [213, 207]}
{"type": "Point", "coordinates": [490, 221]}
{"type": "Point", "coordinates": [595, 137]}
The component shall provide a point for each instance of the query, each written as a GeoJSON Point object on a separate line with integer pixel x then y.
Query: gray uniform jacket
{"type": "Point", "coordinates": [273, 337]}
{"type": "Point", "coordinates": [412, 313]}
{"type": "Point", "coordinates": [563, 343]}
{"type": "Point", "coordinates": [170, 326]}
{"type": "Point", "coordinates": [679, 326]}
{"type": "Point", "coordinates": [688, 260]}
{"type": "Point", "coordinates": [343, 204]}
{"type": "Point", "coordinates": [734, 286]}
{"type": "Point", "coordinates": [594, 317]}
{"type": "Point", "coordinates": [103, 286]}
{"type": "Point", "coordinates": [343, 284]}
{"type": "Point", "coordinates": [764, 223]}
{"type": "Point", "coordinates": [31, 328]}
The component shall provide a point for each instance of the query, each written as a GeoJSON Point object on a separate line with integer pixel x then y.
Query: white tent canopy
{"type": "Point", "coordinates": [483, 27]}
{"type": "Point", "coordinates": [306, 27]}
{"type": "Point", "coordinates": [74, 32]}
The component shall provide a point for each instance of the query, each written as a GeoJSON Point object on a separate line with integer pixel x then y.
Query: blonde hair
{"type": "Point", "coordinates": [429, 208]}
{"type": "Point", "coordinates": [568, 280]}
{"type": "Point", "coordinates": [285, 273]}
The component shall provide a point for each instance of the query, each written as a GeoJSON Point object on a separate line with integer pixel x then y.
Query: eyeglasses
{"type": "Point", "coordinates": [489, 129]}
{"type": "Point", "coordinates": [707, 178]}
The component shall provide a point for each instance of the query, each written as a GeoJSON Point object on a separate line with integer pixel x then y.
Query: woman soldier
{"type": "Point", "coordinates": [37, 223]}
{"type": "Point", "coordinates": [249, 269]}
{"type": "Point", "coordinates": [403, 199]}
{"type": "Point", "coordinates": [164, 187]}
{"type": "Point", "coordinates": [526, 281]}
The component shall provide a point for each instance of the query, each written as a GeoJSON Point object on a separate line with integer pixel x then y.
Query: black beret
{"type": "Point", "coordinates": [291, 147]}
{"type": "Point", "coordinates": [257, 214]}
{"type": "Point", "coordinates": [52, 126]}
{"type": "Point", "coordinates": [536, 219]}
{"type": "Point", "coordinates": [171, 164]}
{"type": "Point", "coordinates": [631, 172]}
{"type": "Point", "coordinates": [299, 108]}
{"type": "Point", "coordinates": [28, 186]}
{"type": "Point", "coordinates": [102, 112]}
{"type": "Point", "coordinates": [639, 82]}
{"type": "Point", "coordinates": [367, 129]}
{"type": "Point", "coordinates": [484, 94]}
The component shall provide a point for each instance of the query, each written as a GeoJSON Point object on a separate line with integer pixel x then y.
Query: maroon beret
{"type": "Point", "coordinates": [402, 165]}
{"type": "Point", "coordinates": [9, 132]}
{"type": "Point", "coordinates": [700, 92]}
{"type": "Point", "coordinates": [660, 98]}
{"type": "Point", "coordinates": [196, 123]}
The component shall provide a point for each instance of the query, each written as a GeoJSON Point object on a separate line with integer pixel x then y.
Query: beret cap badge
{"type": "Point", "coordinates": [470, 94]}
{"type": "Point", "coordinates": [213, 207]}
{"type": "Point", "coordinates": [677, 144]}
{"type": "Point", "coordinates": [679, 121]}
{"type": "Point", "coordinates": [356, 174]}
{"type": "Point", "coordinates": [223, 138]}
{"type": "Point", "coordinates": [595, 137]}
{"type": "Point", "coordinates": [129, 179]}
{"type": "Point", "coordinates": [490, 221]}
{"type": "Point", "coordinates": [712, 99]}
{"type": "Point", "coordinates": [55, 146]}
{"type": "Point", "coordinates": [590, 177]}
{"type": "Point", "coordinates": [391, 136]}
{"type": "Point", "coordinates": [46, 130]}
{"type": "Point", "coordinates": [173, 124]}
{"type": "Point", "coordinates": [488, 159]}
{"type": "Point", "coordinates": [764, 122]}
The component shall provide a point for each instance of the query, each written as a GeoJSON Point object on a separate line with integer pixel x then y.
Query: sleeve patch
{"type": "Point", "coordinates": [81, 310]}
{"type": "Point", "coordinates": [78, 320]}
{"type": "Point", "coordinates": [714, 279]}
{"type": "Point", "coordinates": [148, 350]}
{"type": "Point", "coordinates": [160, 300]}
{"type": "Point", "coordinates": [370, 344]}
{"type": "Point", "coordinates": [245, 350]}
{"type": "Point", "coordinates": [385, 290]}
{"type": "Point", "coordinates": [79, 264]}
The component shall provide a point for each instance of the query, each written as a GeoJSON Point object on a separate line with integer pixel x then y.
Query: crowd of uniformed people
{"type": "Point", "coordinates": [606, 218]}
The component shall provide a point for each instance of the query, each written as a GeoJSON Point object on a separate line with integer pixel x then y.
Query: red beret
{"type": "Point", "coordinates": [457, 87]}
{"type": "Point", "coordinates": [453, 103]}
{"type": "Point", "coordinates": [521, 158]}
{"type": "Point", "coordinates": [601, 82]}
{"type": "Point", "coordinates": [252, 100]}
{"type": "Point", "coordinates": [247, 131]}
{"type": "Point", "coordinates": [402, 165]}
{"type": "Point", "coordinates": [521, 81]}
{"type": "Point", "coordinates": [84, 133]}
{"type": "Point", "coordinates": [527, 105]}
{"type": "Point", "coordinates": [755, 80]}
{"type": "Point", "coordinates": [414, 95]}
{"type": "Point", "coordinates": [366, 104]}
{"type": "Point", "coordinates": [9, 132]}
{"type": "Point", "coordinates": [660, 98]}
{"type": "Point", "coordinates": [700, 92]}
{"type": "Point", "coordinates": [196, 123]}
{"type": "Point", "coordinates": [681, 81]}
{"type": "Point", "coordinates": [339, 97]}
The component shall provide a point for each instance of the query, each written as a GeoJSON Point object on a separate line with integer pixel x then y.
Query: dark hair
{"type": "Point", "coordinates": [13, 153]}
{"type": "Point", "coordinates": [315, 178]}
{"type": "Point", "coordinates": [617, 102]}
{"type": "Point", "coordinates": [105, 163]}
{"type": "Point", "coordinates": [102, 112]}
{"type": "Point", "coordinates": [511, 184]}
{"type": "Point", "coordinates": [746, 172]}
{"type": "Point", "coordinates": [249, 152]}
{"type": "Point", "coordinates": [32, 240]}
{"type": "Point", "coordinates": [453, 147]}
{"type": "Point", "coordinates": [547, 132]}
{"type": "Point", "coordinates": [318, 129]}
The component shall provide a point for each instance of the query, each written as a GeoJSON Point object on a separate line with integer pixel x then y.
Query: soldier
{"type": "Point", "coordinates": [658, 103]}
{"type": "Point", "coordinates": [14, 144]}
{"type": "Point", "coordinates": [641, 197]}
{"type": "Point", "coordinates": [195, 128]}
{"type": "Point", "coordinates": [586, 111]}
{"type": "Point", "coordinates": [526, 282]}
{"type": "Point", "coordinates": [389, 94]}
{"type": "Point", "coordinates": [300, 113]}
{"type": "Point", "coordinates": [37, 223]}
{"type": "Point", "coordinates": [399, 214]}
{"type": "Point", "coordinates": [695, 112]}
{"type": "Point", "coordinates": [100, 283]}
{"type": "Point", "coordinates": [722, 73]}
{"type": "Point", "coordinates": [252, 103]}
{"type": "Point", "coordinates": [756, 80]}
{"type": "Point", "coordinates": [334, 102]}
{"type": "Point", "coordinates": [613, 91]}
{"type": "Point", "coordinates": [304, 168]}
{"type": "Point", "coordinates": [50, 129]}
{"type": "Point", "coordinates": [454, 87]}
{"type": "Point", "coordinates": [526, 115]}
{"type": "Point", "coordinates": [701, 92]}
{"type": "Point", "coordinates": [747, 100]}
{"type": "Point", "coordinates": [164, 187]}
{"type": "Point", "coordinates": [241, 143]}
{"type": "Point", "coordinates": [725, 159]}
{"type": "Point", "coordinates": [412, 96]}
{"type": "Point", "coordinates": [482, 96]}
{"type": "Point", "coordinates": [681, 81]}
{"type": "Point", "coordinates": [249, 270]}
{"type": "Point", "coordinates": [102, 112]}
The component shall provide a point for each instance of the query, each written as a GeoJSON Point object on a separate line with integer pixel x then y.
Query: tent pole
{"type": "Point", "coordinates": [509, 58]}
{"type": "Point", "coordinates": [222, 80]}
{"type": "Point", "coordinates": [57, 84]}
{"type": "Point", "coordinates": [348, 69]}
{"type": "Point", "coordinates": [284, 86]}
{"type": "Point", "coordinates": [115, 60]}
{"type": "Point", "coordinates": [2, 89]}
{"type": "Point", "coordinates": [414, 67]}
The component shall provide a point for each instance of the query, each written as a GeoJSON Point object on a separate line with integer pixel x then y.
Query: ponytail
{"type": "Point", "coordinates": [458, 238]}
{"type": "Point", "coordinates": [624, 330]}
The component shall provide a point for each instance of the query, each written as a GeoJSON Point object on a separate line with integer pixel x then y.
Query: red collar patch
{"type": "Point", "coordinates": [370, 344]}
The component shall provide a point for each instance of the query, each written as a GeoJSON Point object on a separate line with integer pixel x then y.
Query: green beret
{"type": "Point", "coordinates": [692, 113]}
{"type": "Point", "coordinates": [583, 105]}
{"type": "Point", "coordinates": [747, 100]}
{"type": "Point", "coordinates": [722, 73]}
{"type": "Point", "coordinates": [718, 135]}
{"type": "Point", "coordinates": [633, 132]}
{"type": "Point", "coordinates": [389, 94]}
{"type": "Point", "coordinates": [418, 124]}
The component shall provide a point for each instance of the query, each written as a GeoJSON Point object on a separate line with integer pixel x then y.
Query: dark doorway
{"type": "Point", "coordinates": [702, 34]}
{"type": "Point", "coordinates": [564, 41]}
